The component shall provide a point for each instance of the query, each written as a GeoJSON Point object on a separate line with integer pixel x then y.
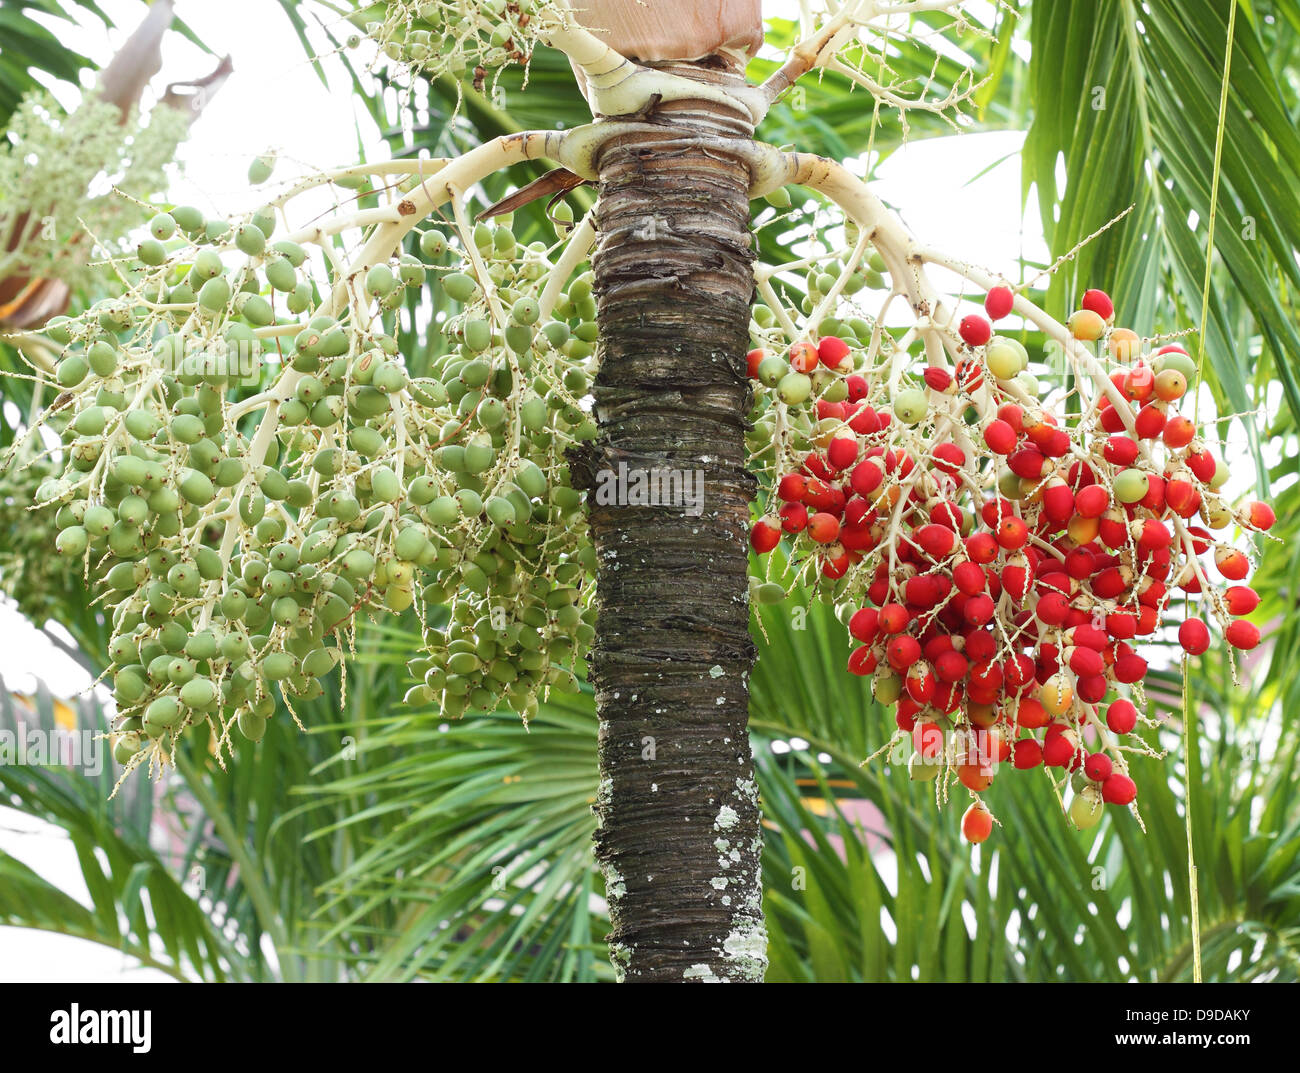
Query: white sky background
{"type": "Point", "coordinates": [274, 100]}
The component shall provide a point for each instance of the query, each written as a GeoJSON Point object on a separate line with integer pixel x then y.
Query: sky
{"type": "Point", "coordinates": [275, 100]}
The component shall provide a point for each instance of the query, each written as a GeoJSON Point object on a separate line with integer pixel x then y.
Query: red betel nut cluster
{"type": "Point", "coordinates": [1013, 562]}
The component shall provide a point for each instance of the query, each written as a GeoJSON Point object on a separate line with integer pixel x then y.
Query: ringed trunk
{"type": "Point", "coordinates": [678, 833]}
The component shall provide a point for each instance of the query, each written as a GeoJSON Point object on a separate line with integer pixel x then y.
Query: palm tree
{"type": "Point", "coordinates": [650, 278]}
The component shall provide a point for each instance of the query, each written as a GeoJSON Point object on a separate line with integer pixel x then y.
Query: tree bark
{"type": "Point", "coordinates": [678, 833]}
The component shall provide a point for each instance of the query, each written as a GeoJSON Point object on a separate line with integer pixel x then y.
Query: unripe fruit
{"type": "Point", "coordinates": [1170, 385]}
{"type": "Point", "coordinates": [1055, 695]}
{"type": "Point", "coordinates": [910, 406]}
{"type": "Point", "coordinates": [1131, 486]}
{"type": "Point", "coordinates": [1124, 344]}
{"type": "Point", "coordinates": [1003, 359]}
{"type": "Point", "coordinates": [922, 769]}
{"type": "Point", "coordinates": [794, 388]}
{"type": "Point", "coordinates": [1085, 808]}
{"type": "Point", "coordinates": [1086, 325]}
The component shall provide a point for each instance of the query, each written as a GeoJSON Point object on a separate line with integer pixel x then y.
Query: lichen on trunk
{"type": "Point", "coordinates": [678, 837]}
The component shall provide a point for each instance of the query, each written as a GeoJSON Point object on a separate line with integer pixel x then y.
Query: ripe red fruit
{"type": "Point", "coordinates": [937, 379]}
{"type": "Point", "coordinates": [935, 540]}
{"type": "Point", "coordinates": [1194, 636]}
{"type": "Point", "coordinates": [863, 624]}
{"type": "Point", "coordinates": [920, 682]}
{"type": "Point", "coordinates": [975, 777]}
{"type": "Point", "coordinates": [1059, 750]}
{"type": "Point", "coordinates": [1242, 634]}
{"type": "Point", "coordinates": [951, 666]}
{"type": "Point", "coordinates": [862, 661]}
{"type": "Point", "coordinates": [1260, 516]}
{"type": "Point", "coordinates": [1092, 501]}
{"type": "Point", "coordinates": [857, 386]}
{"type": "Point", "coordinates": [1099, 302]}
{"type": "Point", "coordinates": [1203, 464]}
{"type": "Point", "coordinates": [824, 528]}
{"type": "Point", "coordinates": [979, 610]}
{"type": "Point", "coordinates": [866, 477]}
{"type": "Point", "coordinates": [1150, 421]}
{"type": "Point", "coordinates": [969, 578]}
{"type": "Point", "coordinates": [819, 495]}
{"type": "Point", "coordinates": [1183, 497]}
{"type": "Point", "coordinates": [1091, 688]}
{"type": "Point", "coordinates": [832, 350]}
{"type": "Point", "coordinates": [948, 457]}
{"type": "Point", "coordinates": [1118, 789]}
{"type": "Point", "coordinates": [803, 357]}
{"type": "Point", "coordinates": [1028, 462]}
{"type": "Point", "coordinates": [1179, 432]}
{"type": "Point", "coordinates": [752, 361]}
{"type": "Point", "coordinates": [1012, 533]}
{"type": "Point", "coordinates": [1110, 418]}
{"type": "Point", "coordinates": [1154, 500]}
{"type": "Point", "coordinates": [1088, 637]}
{"type": "Point", "coordinates": [1058, 501]}
{"type": "Point", "coordinates": [927, 739]}
{"type": "Point", "coordinates": [1026, 754]}
{"type": "Point", "coordinates": [836, 561]}
{"type": "Point", "coordinates": [981, 547]}
{"type": "Point", "coordinates": [1097, 767]}
{"type": "Point", "coordinates": [1085, 662]}
{"type": "Point", "coordinates": [792, 487]}
{"type": "Point", "coordinates": [1151, 534]}
{"type": "Point", "coordinates": [1000, 437]}
{"type": "Point", "coordinates": [922, 591]}
{"type": "Point", "coordinates": [1130, 668]}
{"type": "Point", "coordinates": [976, 823]}
{"type": "Point", "coordinates": [838, 411]}
{"type": "Point", "coordinates": [975, 330]}
{"type": "Point", "coordinates": [1121, 625]}
{"type": "Point", "coordinates": [794, 517]}
{"type": "Point", "coordinates": [1121, 717]}
{"type": "Point", "coordinates": [842, 452]}
{"type": "Point", "coordinates": [1051, 609]}
{"type": "Point", "coordinates": [893, 618]}
{"type": "Point", "coordinates": [998, 302]}
{"type": "Point", "coordinates": [765, 535]}
{"type": "Point", "coordinates": [1241, 600]}
{"type": "Point", "coordinates": [1120, 451]}
{"type": "Point", "coordinates": [1017, 577]}
{"type": "Point", "coordinates": [1232, 563]}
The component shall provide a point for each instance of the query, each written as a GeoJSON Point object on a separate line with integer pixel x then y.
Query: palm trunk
{"type": "Point", "coordinates": [678, 823]}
